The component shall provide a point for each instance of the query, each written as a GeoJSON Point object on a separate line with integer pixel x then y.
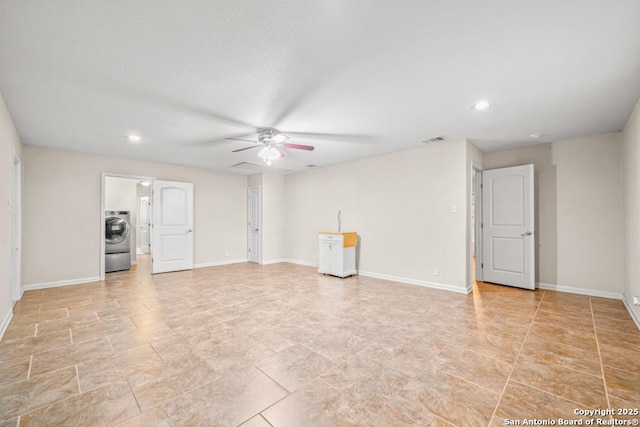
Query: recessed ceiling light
{"type": "Point", "coordinates": [535, 135]}
{"type": "Point", "coordinates": [483, 104]}
{"type": "Point", "coordinates": [134, 138]}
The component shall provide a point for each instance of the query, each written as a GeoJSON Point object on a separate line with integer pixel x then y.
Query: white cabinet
{"type": "Point", "coordinates": [337, 253]}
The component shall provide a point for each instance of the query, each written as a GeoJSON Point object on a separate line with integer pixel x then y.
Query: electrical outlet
{"type": "Point", "coordinates": [454, 209]}
{"type": "Point", "coordinates": [636, 301]}
{"type": "Point", "coordinates": [436, 271]}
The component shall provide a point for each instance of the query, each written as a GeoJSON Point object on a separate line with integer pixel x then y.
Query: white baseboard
{"type": "Point", "coordinates": [5, 323]}
{"type": "Point", "coordinates": [219, 263]}
{"type": "Point", "coordinates": [580, 291]}
{"type": "Point", "coordinates": [299, 262]}
{"type": "Point", "coordinates": [60, 283]}
{"type": "Point", "coordinates": [273, 261]}
{"type": "Point", "coordinates": [134, 262]}
{"type": "Point", "coordinates": [631, 311]}
{"type": "Point", "coordinates": [409, 281]}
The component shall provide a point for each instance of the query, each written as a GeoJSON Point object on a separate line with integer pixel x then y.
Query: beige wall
{"type": "Point", "coordinates": [545, 200]}
{"type": "Point", "coordinates": [579, 210]}
{"type": "Point", "coordinates": [590, 212]}
{"type": "Point", "coordinates": [120, 194]}
{"type": "Point", "coordinates": [400, 205]}
{"type": "Point", "coordinates": [62, 192]}
{"type": "Point", "coordinates": [9, 142]}
{"type": "Point", "coordinates": [631, 151]}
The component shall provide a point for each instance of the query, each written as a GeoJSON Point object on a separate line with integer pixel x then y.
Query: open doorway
{"type": "Point", "coordinates": [121, 228]}
{"type": "Point", "coordinates": [475, 236]}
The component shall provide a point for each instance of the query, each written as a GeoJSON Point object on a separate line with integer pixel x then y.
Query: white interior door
{"type": "Point", "coordinates": [508, 226]}
{"type": "Point", "coordinates": [172, 226]}
{"type": "Point", "coordinates": [254, 224]}
{"type": "Point", "coordinates": [145, 224]}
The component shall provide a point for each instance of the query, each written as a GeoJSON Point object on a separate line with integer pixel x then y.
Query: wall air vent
{"type": "Point", "coordinates": [434, 139]}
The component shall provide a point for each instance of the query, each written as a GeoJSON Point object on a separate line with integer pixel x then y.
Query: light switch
{"type": "Point", "coordinates": [454, 209]}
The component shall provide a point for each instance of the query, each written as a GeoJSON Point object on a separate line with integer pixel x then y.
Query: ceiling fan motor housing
{"type": "Point", "coordinates": [265, 135]}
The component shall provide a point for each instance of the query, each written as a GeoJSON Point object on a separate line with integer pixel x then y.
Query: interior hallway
{"type": "Point", "coordinates": [283, 345]}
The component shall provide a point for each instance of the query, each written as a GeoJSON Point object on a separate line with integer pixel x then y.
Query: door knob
{"type": "Point", "coordinates": [528, 233]}
{"type": "Point", "coordinates": [189, 230]}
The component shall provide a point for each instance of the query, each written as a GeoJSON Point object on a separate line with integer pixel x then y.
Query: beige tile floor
{"type": "Point", "coordinates": [282, 345]}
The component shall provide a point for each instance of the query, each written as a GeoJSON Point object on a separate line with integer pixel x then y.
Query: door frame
{"type": "Point", "coordinates": [259, 187]}
{"type": "Point", "coordinates": [139, 220]}
{"type": "Point", "coordinates": [476, 226]}
{"type": "Point", "coordinates": [16, 227]}
{"type": "Point", "coordinates": [103, 179]}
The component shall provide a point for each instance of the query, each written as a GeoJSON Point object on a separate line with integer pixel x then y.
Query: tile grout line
{"type": "Point", "coordinates": [265, 420]}
{"type": "Point", "coordinates": [513, 367]}
{"type": "Point", "coordinates": [78, 379]}
{"type": "Point", "coordinates": [604, 379]}
{"type": "Point", "coordinates": [272, 379]}
{"type": "Point", "coordinates": [134, 396]}
{"type": "Point", "coordinates": [30, 364]}
{"type": "Point", "coordinates": [552, 394]}
{"type": "Point", "coordinates": [111, 345]}
{"type": "Point", "coordinates": [35, 333]}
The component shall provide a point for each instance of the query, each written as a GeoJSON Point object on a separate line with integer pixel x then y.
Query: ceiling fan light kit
{"type": "Point", "coordinates": [270, 153]}
{"type": "Point", "coordinates": [271, 139]}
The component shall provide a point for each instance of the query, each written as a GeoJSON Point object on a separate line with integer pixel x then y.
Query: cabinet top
{"type": "Point", "coordinates": [335, 232]}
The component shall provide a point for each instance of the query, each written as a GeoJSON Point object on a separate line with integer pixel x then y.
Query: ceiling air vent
{"type": "Point", "coordinates": [434, 139]}
{"type": "Point", "coordinates": [257, 167]}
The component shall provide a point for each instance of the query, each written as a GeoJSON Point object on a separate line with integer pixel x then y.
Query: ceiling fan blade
{"type": "Point", "coordinates": [246, 148]}
{"type": "Point", "coordinates": [241, 139]}
{"type": "Point", "coordinates": [338, 136]}
{"type": "Point", "coordinates": [279, 152]}
{"type": "Point", "coordinates": [299, 146]}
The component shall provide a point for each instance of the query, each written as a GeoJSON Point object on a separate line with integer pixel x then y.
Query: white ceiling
{"type": "Point", "coordinates": [378, 76]}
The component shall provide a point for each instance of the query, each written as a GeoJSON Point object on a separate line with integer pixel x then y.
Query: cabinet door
{"type": "Point", "coordinates": [325, 255]}
{"type": "Point", "coordinates": [337, 261]}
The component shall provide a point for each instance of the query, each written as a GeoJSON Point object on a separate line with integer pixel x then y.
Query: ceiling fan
{"type": "Point", "coordinates": [272, 141]}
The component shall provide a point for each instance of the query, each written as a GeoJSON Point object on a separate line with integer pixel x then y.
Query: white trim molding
{"type": "Point", "coordinates": [5, 323]}
{"type": "Point", "coordinates": [631, 311]}
{"type": "Point", "coordinates": [59, 283]}
{"type": "Point", "coordinates": [219, 263]}
{"type": "Point", "coordinates": [300, 262]}
{"type": "Point", "coordinates": [273, 261]}
{"type": "Point", "coordinates": [409, 281]}
{"type": "Point", "coordinates": [580, 291]}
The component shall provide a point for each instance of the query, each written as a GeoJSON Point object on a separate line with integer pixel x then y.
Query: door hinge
{"type": "Point", "coordinates": [482, 225]}
{"type": "Point", "coordinates": [482, 265]}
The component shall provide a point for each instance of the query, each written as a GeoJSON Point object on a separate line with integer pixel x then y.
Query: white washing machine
{"type": "Point", "coordinates": [117, 241]}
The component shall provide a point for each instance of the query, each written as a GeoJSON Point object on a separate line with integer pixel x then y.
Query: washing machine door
{"type": "Point", "coordinates": [116, 230]}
